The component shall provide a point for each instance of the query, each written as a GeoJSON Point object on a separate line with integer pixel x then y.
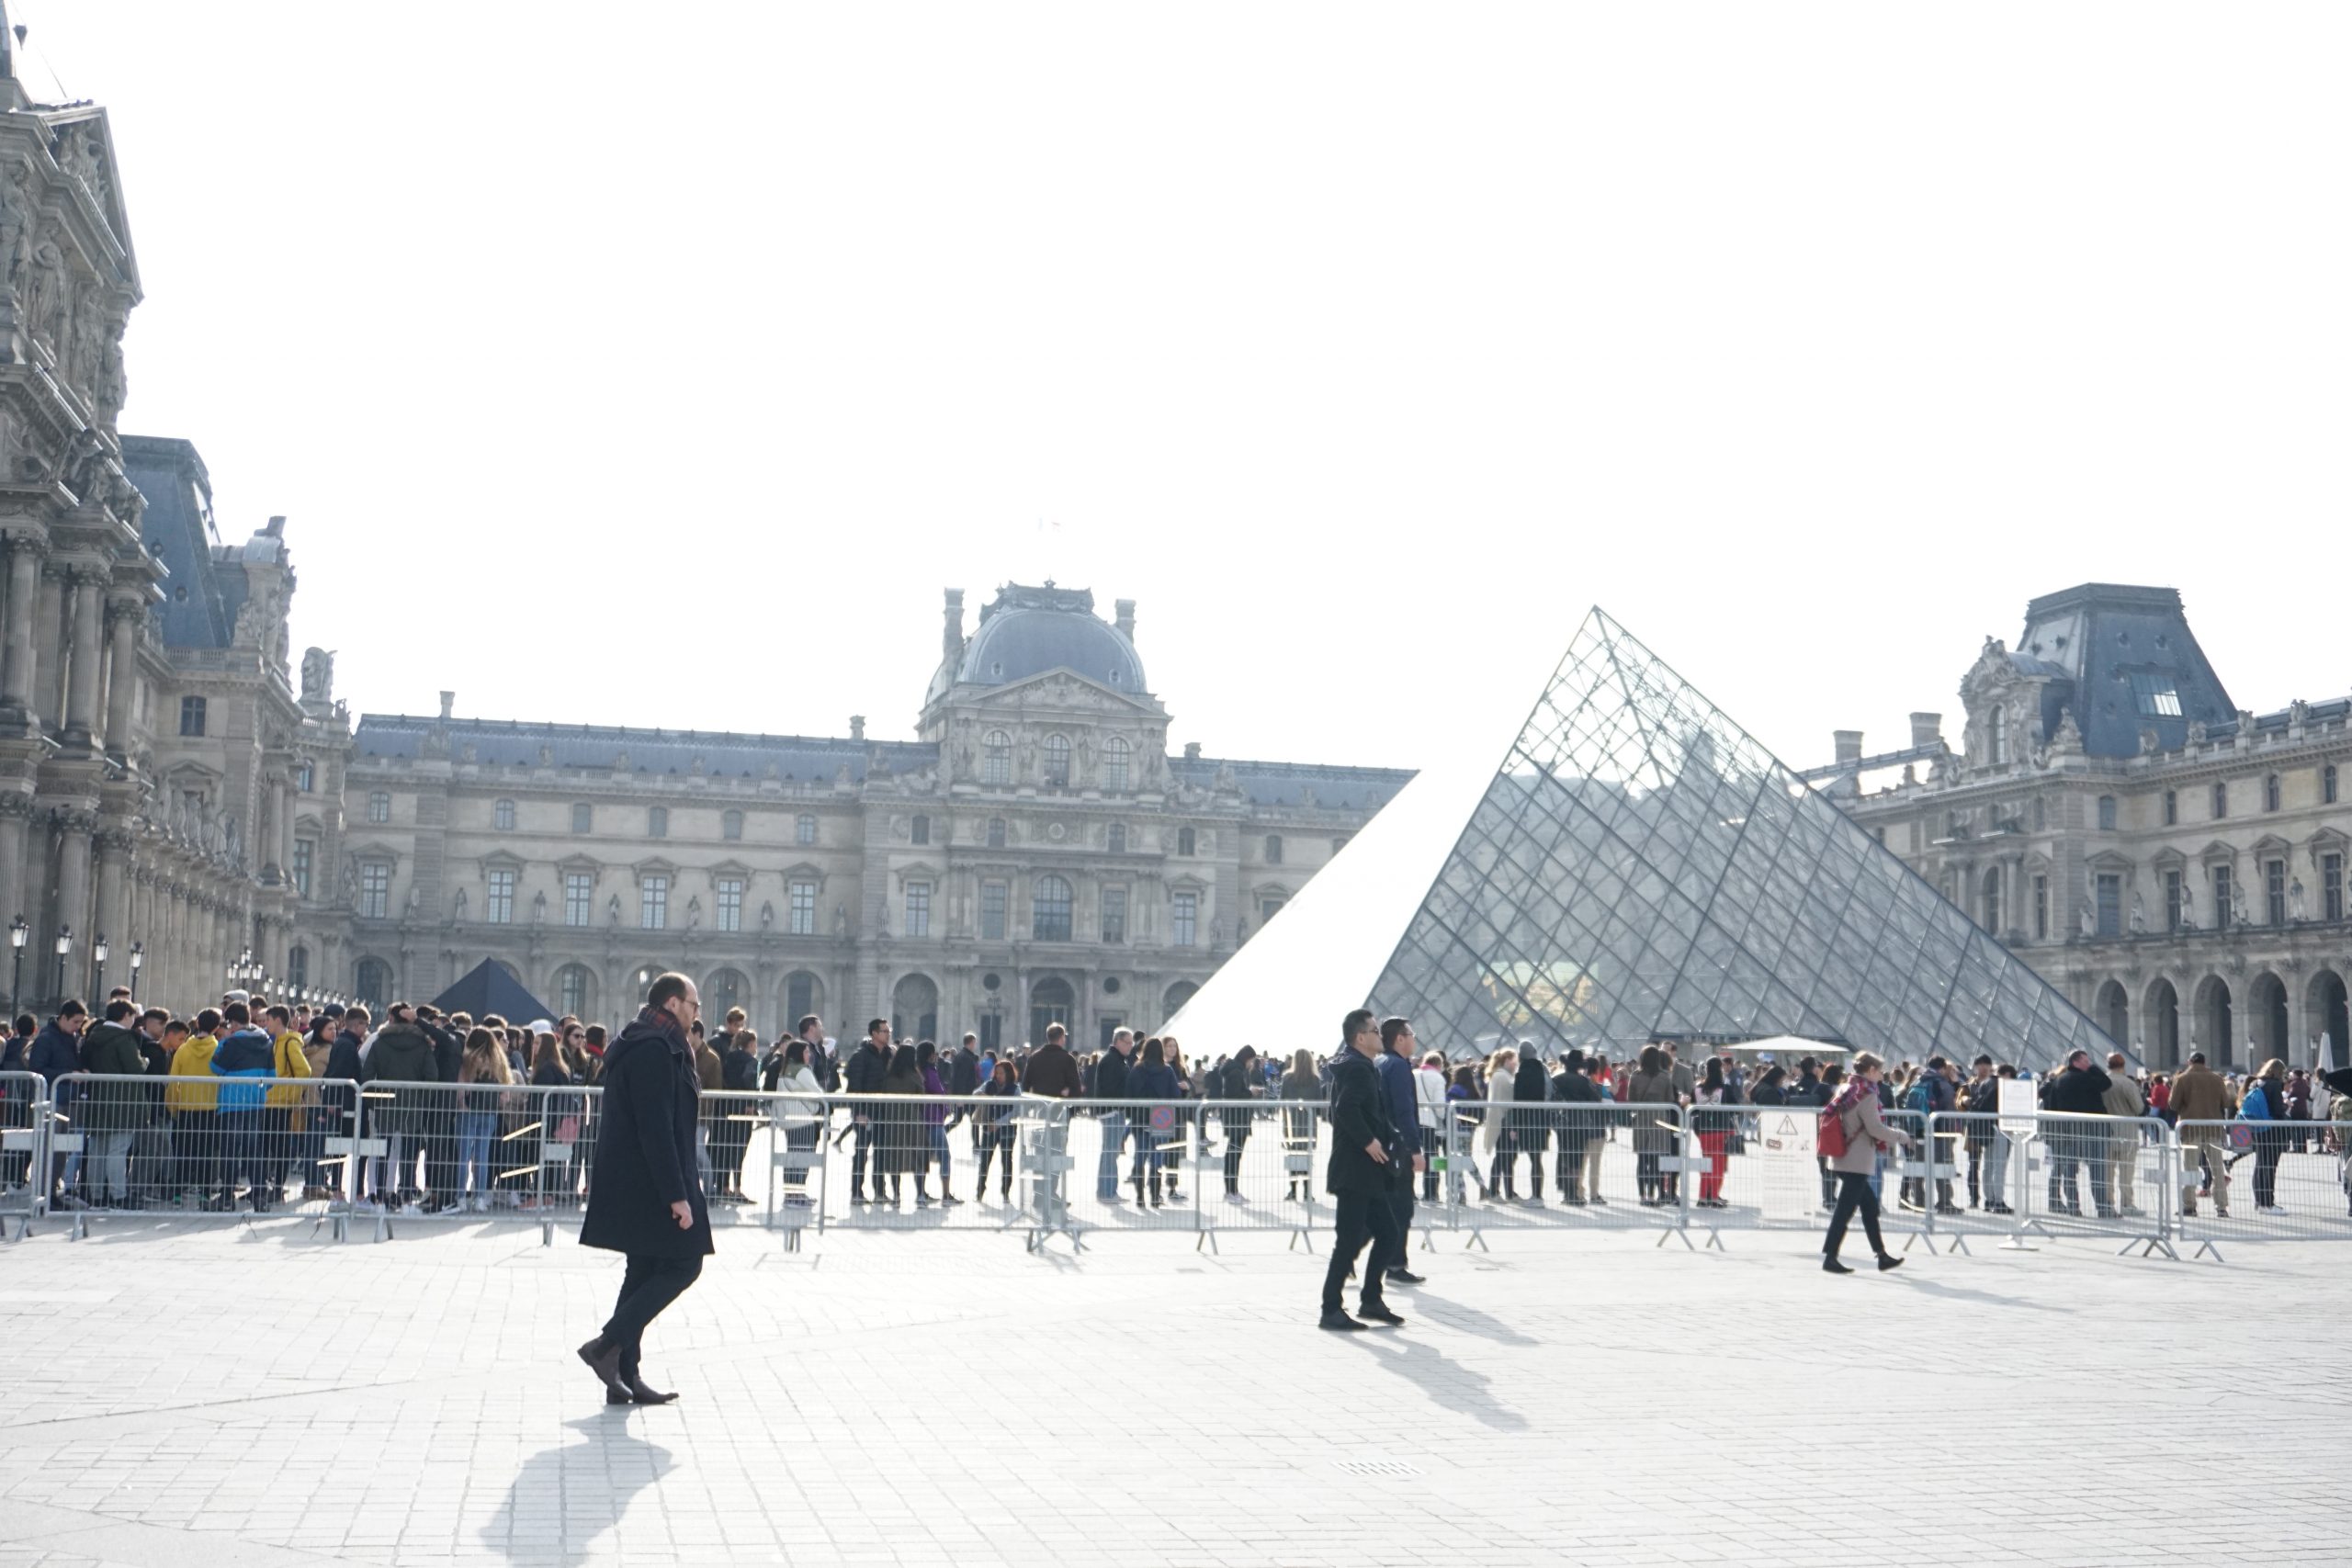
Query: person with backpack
{"type": "Point", "coordinates": [1852, 1132]}
{"type": "Point", "coordinates": [2265, 1104]}
{"type": "Point", "coordinates": [1930, 1095]}
{"type": "Point", "coordinates": [738, 1073]}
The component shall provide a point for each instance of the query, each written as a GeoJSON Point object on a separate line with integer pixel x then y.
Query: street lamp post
{"type": "Point", "coordinates": [64, 947]}
{"type": "Point", "coordinates": [18, 934]}
{"type": "Point", "coordinates": [138, 958]}
{"type": "Point", "coordinates": [98, 970]}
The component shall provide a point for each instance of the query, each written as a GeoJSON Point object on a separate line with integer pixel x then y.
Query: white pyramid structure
{"type": "Point", "coordinates": [1638, 868]}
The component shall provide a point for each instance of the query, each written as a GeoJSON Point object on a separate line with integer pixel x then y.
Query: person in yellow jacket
{"type": "Point", "coordinates": [192, 1097]}
{"type": "Point", "coordinates": [286, 1123]}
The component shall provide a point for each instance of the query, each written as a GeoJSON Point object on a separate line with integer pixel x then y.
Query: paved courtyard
{"type": "Point", "coordinates": [181, 1400]}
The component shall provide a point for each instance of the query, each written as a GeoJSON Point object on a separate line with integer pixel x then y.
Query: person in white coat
{"type": "Point", "coordinates": [1495, 1139]}
{"type": "Point", "coordinates": [1429, 1092]}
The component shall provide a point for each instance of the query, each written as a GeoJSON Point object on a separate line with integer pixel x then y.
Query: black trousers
{"type": "Point", "coordinates": [649, 1284]}
{"type": "Point", "coordinates": [1853, 1192]}
{"type": "Point", "coordinates": [1363, 1216]}
{"type": "Point", "coordinates": [861, 1138]}
{"type": "Point", "coordinates": [1400, 1203]}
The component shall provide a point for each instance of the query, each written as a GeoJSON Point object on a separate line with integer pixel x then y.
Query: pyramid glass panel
{"type": "Point", "coordinates": [1642, 868]}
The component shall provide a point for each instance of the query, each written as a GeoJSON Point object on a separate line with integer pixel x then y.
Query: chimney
{"type": "Point", "coordinates": [449, 704]}
{"type": "Point", "coordinates": [951, 641]}
{"type": "Point", "coordinates": [1127, 621]}
{"type": "Point", "coordinates": [857, 726]}
{"type": "Point", "coordinates": [1849, 744]}
{"type": "Point", "coordinates": [1926, 729]}
{"type": "Point", "coordinates": [1192, 750]}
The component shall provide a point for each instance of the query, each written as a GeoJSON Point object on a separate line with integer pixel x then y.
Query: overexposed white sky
{"type": "Point", "coordinates": [660, 364]}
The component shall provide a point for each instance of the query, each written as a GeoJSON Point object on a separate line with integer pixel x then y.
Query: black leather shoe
{"type": "Point", "coordinates": [1887, 1260]}
{"type": "Point", "coordinates": [605, 1363]}
{"type": "Point", "coordinates": [641, 1394]}
{"type": "Point", "coordinates": [1402, 1276]}
{"type": "Point", "coordinates": [1831, 1266]}
{"type": "Point", "coordinates": [1341, 1323]}
{"type": "Point", "coordinates": [1377, 1314]}
{"type": "Point", "coordinates": [617, 1397]}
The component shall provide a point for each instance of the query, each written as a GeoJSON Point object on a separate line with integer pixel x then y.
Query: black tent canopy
{"type": "Point", "coordinates": [491, 990]}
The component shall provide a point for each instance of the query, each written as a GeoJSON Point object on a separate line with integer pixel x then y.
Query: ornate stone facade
{"type": "Point", "coordinates": [2177, 865]}
{"type": "Point", "coordinates": [1036, 854]}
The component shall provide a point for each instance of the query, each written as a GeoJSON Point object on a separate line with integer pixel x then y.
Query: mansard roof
{"type": "Point", "coordinates": [2133, 662]}
{"type": "Point", "coordinates": [1286, 783]}
{"type": "Point", "coordinates": [514, 743]}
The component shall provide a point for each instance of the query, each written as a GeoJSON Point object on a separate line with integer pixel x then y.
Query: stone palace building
{"type": "Point", "coordinates": [2173, 862]}
{"type": "Point", "coordinates": [1034, 856]}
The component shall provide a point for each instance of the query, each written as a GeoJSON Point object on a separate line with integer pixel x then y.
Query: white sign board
{"type": "Point", "coordinates": [2020, 1103]}
{"type": "Point", "coordinates": [1791, 1178]}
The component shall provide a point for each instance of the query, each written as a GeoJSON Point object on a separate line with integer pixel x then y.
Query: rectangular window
{"type": "Point", "coordinates": [991, 1032]}
{"type": "Point", "coordinates": [2106, 813]}
{"type": "Point", "coordinates": [731, 903]}
{"type": "Point", "coordinates": [2221, 896]}
{"type": "Point", "coordinates": [2220, 801]}
{"type": "Point", "coordinates": [191, 715]}
{"type": "Point", "coordinates": [2331, 887]}
{"type": "Point", "coordinates": [2155, 695]}
{"type": "Point", "coordinates": [579, 897]}
{"type": "Point", "coordinates": [1114, 915]}
{"type": "Point", "coordinates": [380, 807]}
{"type": "Point", "coordinates": [2274, 887]}
{"type": "Point", "coordinates": [583, 818]}
{"type": "Point", "coordinates": [657, 822]}
{"type": "Point", "coordinates": [500, 909]}
{"type": "Point", "coordinates": [2172, 808]}
{"type": "Point", "coordinates": [501, 815]}
{"type": "Point", "coordinates": [305, 853]}
{"type": "Point", "coordinates": [375, 889]}
{"type": "Point", "coordinates": [653, 903]}
{"type": "Point", "coordinates": [803, 829]}
{"type": "Point", "coordinates": [1268, 909]}
{"type": "Point", "coordinates": [2041, 909]}
{"type": "Point", "coordinates": [306, 778]}
{"type": "Point", "coordinates": [2174, 887]}
{"type": "Point", "coordinates": [992, 902]}
{"type": "Point", "coordinates": [1186, 919]}
{"type": "Point", "coordinates": [2111, 903]}
{"type": "Point", "coordinates": [918, 908]}
{"type": "Point", "coordinates": [800, 905]}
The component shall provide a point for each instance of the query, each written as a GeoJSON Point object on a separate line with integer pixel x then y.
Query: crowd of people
{"type": "Point", "coordinates": [224, 1120]}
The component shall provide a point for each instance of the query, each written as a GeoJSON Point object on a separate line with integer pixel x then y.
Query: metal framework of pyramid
{"type": "Point", "coordinates": [1641, 869]}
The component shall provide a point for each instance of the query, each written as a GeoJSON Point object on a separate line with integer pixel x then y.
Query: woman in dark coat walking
{"type": "Point", "coordinates": [901, 1142]}
{"type": "Point", "coordinates": [647, 1199]}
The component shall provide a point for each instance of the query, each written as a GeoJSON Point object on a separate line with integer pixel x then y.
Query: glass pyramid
{"type": "Point", "coordinates": [1638, 869]}
{"type": "Point", "coordinates": [1641, 869]}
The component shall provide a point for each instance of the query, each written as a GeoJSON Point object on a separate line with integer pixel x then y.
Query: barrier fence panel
{"type": "Point", "coordinates": [229, 1146]}
{"type": "Point", "coordinates": [1603, 1164]}
{"type": "Point", "coordinates": [2246, 1180]}
{"type": "Point", "coordinates": [23, 1152]}
{"type": "Point", "coordinates": [1258, 1164]}
{"type": "Point", "coordinates": [905, 1162]}
{"type": "Point", "coordinates": [790, 1177]}
{"type": "Point", "coordinates": [2077, 1173]}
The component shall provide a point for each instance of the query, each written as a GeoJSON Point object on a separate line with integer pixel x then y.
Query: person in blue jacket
{"type": "Point", "coordinates": [248, 1054]}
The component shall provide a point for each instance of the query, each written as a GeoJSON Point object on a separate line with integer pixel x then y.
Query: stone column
{"type": "Point", "coordinates": [82, 685]}
{"type": "Point", "coordinates": [49, 638]}
{"type": "Point", "coordinates": [284, 796]}
{"type": "Point", "coordinates": [15, 889]}
{"type": "Point", "coordinates": [113, 912]}
{"type": "Point", "coordinates": [73, 830]}
{"type": "Point", "coordinates": [122, 674]}
{"type": "Point", "coordinates": [24, 592]}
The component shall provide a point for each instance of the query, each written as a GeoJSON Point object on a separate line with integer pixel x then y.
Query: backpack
{"type": "Point", "coordinates": [1829, 1134]}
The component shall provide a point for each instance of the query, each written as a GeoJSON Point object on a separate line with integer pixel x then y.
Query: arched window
{"type": "Point", "coordinates": [501, 815]}
{"type": "Point", "coordinates": [1118, 838]}
{"type": "Point", "coordinates": [2270, 792]}
{"type": "Point", "coordinates": [922, 831]}
{"type": "Point", "coordinates": [657, 822]}
{"type": "Point", "coordinates": [2000, 738]}
{"type": "Point", "coordinates": [996, 832]}
{"type": "Point", "coordinates": [2106, 813]}
{"type": "Point", "coordinates": [731, 824]}
{"type": "Point", "coordinates": [996, 757]}
{"type": "Point", "coordinates": [1992, 899]}
{"type": "Point", "coordinates": [1274, 849]}
{"type": "Point", "coordinates": [1115, 766]}
{"type": "Point", "coordinates": [575, 990]}
{"type": "Point", "coordinates": [1049, 918]}
{"type": "Point", "coordinates": [804, 829]}
{"type": "Point", "coordinates": [1183, 841]}
{"type": "Point", "coordinates": [374, 984]}
{"type": "Point", "coordinates": [1057, 761]}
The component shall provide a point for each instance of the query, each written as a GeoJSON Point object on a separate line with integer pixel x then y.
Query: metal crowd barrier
{"type": "Point", "coordinates": [23, 1152]}
{"type": "Point", "coordinates": [151, 1145]}
{"type": "Point", "coordinates": [2052, 1175]}
{"type": "Point", "coordinates": [2263, 1180]}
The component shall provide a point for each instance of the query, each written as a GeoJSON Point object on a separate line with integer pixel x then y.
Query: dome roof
{"type": "Point", "coordinates": [1028, 631]}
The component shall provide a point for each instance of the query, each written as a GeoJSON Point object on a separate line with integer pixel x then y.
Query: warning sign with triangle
{"type": "Point", "coordinates": [1638, 867]}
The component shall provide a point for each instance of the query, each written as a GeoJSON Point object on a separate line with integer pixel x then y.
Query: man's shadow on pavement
{"type": "Point", "coordinates": [566, 1496]}
{"type": "Point", "coordinates": [1447, 1384]}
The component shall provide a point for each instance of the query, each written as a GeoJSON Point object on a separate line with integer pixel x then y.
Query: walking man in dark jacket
{"type": "Point", "coordinates": [57, 1051]}
{"type": "Point", "coordinates": [864, 1075]}
{"type": "Point", "coordinates": [646, 1200]}
{"type": "Point", "coordinates": [1362, 1175]}
{"type": "Point", "coordinates": [1395, 1068]}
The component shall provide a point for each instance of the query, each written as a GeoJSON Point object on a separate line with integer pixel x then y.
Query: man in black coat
{"type": "Point", "coordinates": [862, 1076]}
{"type": "Point", "coordinates": [646, 1199]}
{"type": "Point", "coordinates": [2079, 1090]}
{"type": "Point", "coordinates": [1362, 1173]}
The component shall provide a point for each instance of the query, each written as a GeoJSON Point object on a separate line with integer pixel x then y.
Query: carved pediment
{"type": "Point", "coordinates": [1065, 690]}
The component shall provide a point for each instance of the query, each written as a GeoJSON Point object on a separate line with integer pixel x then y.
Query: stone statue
{"type": "Point", "coordinates": [841, 921]}
{"type": "Point", "coordinates": [350, 883]}
{"type": "Point", "coordinates": [613, 910]}
{"type": "Point", "coordinates": [318, 675]}
{"type": "Point", "coordinates": [2089, 921]}
{"type": "Point", "coordinates": [2295, 900]}
{"type": "Point", "coordinates": [458, 907]}
{"type": "Point", "coordinates": [539, 909]}
{"type": "Point", "coordinates": [2237, 905]}
{"type": "Point", "coordinates": [767, 916]}
{"type": "Point", "coordinates": [882, 917]}
{"type": "Point", "coordinates": [2138, 915]}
